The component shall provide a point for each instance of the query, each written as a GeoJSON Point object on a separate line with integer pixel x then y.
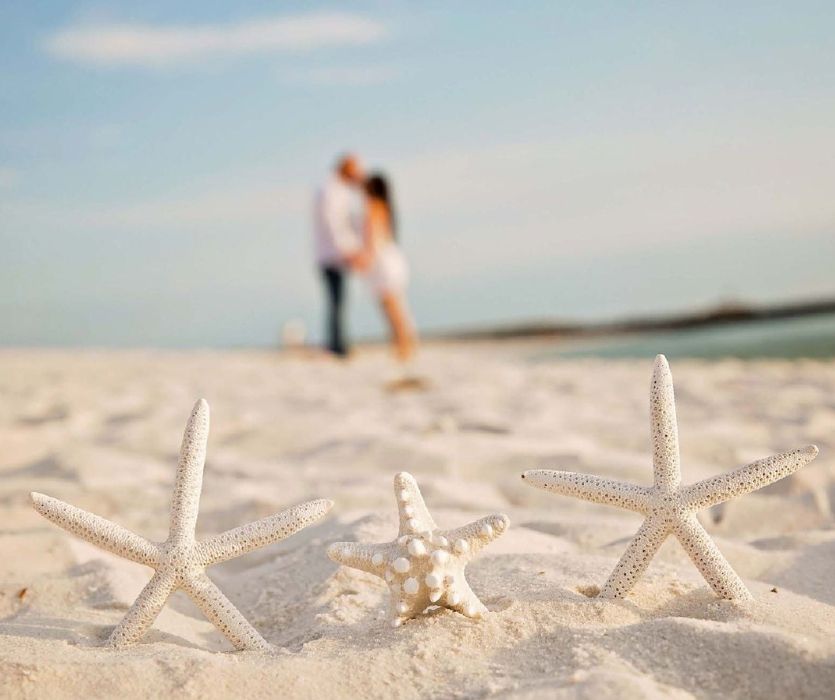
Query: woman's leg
{"type": "Point", "coordinates": [401, 326]}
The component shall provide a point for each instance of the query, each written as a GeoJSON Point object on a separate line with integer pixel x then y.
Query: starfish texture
{"type": "Point", "coordinates": [424, 566]}
{"type": "Point", "coordinates": [181, 561]}
{"type": "Point", "coordinates": [669, 507]}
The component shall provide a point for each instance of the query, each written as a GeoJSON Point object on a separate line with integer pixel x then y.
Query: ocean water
{"type": "Point", "coordinates": [806, 337]}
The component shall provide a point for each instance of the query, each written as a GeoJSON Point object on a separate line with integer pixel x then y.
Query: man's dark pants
{"type": "Point", "coordinates": [334, 278]}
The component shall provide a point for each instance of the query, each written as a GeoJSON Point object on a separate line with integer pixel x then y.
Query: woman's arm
{"type": "Point", "coordinates": [368, 230]}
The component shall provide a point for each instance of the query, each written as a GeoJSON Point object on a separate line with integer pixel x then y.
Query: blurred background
{"type": "Point", "coordinates": [552, 162]}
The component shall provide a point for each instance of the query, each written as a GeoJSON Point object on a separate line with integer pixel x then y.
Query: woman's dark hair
{"type": "Point", "coordinates": [378, 187]}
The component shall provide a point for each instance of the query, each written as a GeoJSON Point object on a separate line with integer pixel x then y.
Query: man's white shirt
{"type": "Point", "coordinates": [335, 234]}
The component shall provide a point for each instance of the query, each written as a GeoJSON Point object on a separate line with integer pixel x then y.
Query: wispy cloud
{"type": "Point", "coordinates": [219, 207]}
{"type": "Point", "coordinates": [156, 45]}
{"type": "Point", "coordinates": [340, 76]}
{"type": "Point", "coordinates": [610, 193]}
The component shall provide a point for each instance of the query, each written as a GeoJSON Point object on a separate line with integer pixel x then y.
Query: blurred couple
{"type": "Point", "coordinates": [363, 240]}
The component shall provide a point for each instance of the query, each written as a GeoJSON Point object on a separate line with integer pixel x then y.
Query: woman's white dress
{"type": "Point", "coordinates": [389, 271]}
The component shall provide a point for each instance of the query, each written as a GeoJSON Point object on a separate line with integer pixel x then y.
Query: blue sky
{"type": "Point", "coordinates": [567, 160]}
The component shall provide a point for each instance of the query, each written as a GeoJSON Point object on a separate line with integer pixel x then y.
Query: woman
{"type": "Point", "coordinates": [386, 266]}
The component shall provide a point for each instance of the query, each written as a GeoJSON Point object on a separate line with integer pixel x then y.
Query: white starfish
{"type": "Point", "coordinates": [181, 561]}
{"type": "Point", "coordinates": [669, 507]}
{"type": "Point", "coordinates": [424, 566]}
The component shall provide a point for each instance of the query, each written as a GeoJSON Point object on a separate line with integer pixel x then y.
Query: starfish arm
{"type": "Point", "coordinates": [414, 515]}
{"type": "Point", "coordinates": [220, 611]}
{"type": "Point", "coordinates": [402, 608]}
{"type": "Point", "coordinates": [240, 540]}
{"type": "Point", "coordinates": [716, 570]}
{"type": "Point", "coordinates": [663, 426]}
{"type": "Point", "coordinates": [465, 601]}
{"type": "Point", "coordinates": [756, 475]}
{"type": "Point", "coordinates": [96, 530]}
{"type": "Point", "coordinates": [144, 610]}
{"type": "Point", "coordinates": [189, 481]}
{"type": "Point", "coordinates": [361, 556]}
{"type": "Point", "coordinates": [636, 558]}
{"type": "Point", "coordinates": [477, 534]}
{"type": "Point", "coordinates": [590, 488]}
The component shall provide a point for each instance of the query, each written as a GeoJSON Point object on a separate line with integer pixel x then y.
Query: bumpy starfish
{"type": "Point", "coordinates": [669, 507]}
{"type": "Point", "coordinates": [424, 566]}
{"type": "Point", "coordinates": [181, 561]}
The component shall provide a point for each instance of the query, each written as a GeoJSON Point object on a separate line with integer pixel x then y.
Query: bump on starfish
{"type": "Point", "coordinates": [181, 561]}
{"type": "Point", "coordinates": [423, 566]}
{"type": "Point", "coordinates": [669, 507]}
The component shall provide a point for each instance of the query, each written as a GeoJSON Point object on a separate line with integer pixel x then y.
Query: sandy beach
{"type": "Point", "coordinates": [101, 430]}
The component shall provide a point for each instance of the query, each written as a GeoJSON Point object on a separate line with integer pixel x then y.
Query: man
{"type": "Point", "coordinates": [338, 243]}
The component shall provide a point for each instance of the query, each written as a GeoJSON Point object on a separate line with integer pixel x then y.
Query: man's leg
{"type": "Point", "coordinates": [335, 285]}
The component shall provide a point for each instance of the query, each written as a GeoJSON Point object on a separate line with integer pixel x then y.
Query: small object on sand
{"type": "Point", "coordinates": [416, 580]}
{"type": "Point", "coordinates": [669, 507]}
{"type": "Point", "coordinates": [293, 334]}
{"type": "Point", "coordinates": [181, 561]}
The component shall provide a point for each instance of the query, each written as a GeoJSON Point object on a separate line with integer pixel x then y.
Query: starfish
{"type": "Point", "coordinates": [424, 566]}
{"type": "Point", "coordinates": [669, 507]}
{"type": "Point", "coordinates": [181, 561]}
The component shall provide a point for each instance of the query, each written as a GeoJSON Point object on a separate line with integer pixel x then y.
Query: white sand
{"type": "Point", "coordinates": [102, 430]}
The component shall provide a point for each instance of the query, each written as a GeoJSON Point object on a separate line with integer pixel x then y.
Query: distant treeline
{"type": "Point", "coordinates": [727, 313]}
